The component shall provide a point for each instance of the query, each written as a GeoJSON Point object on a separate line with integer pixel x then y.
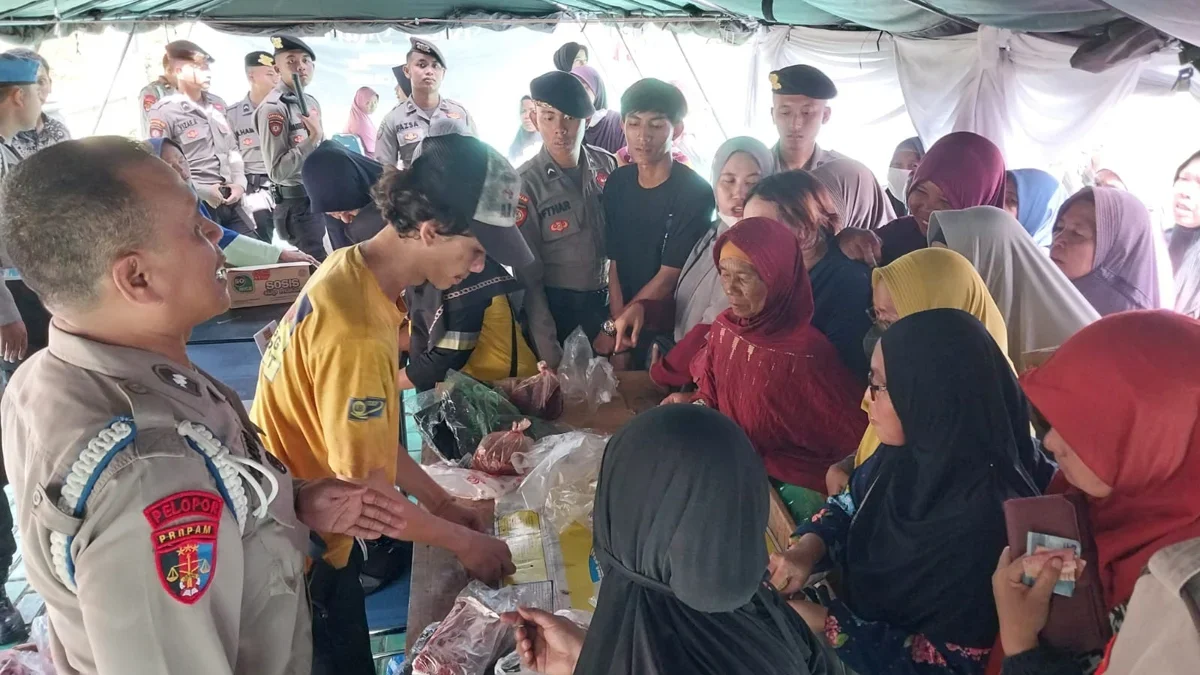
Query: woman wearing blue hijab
{"type": "Point", "coordinates": [1033, 196]}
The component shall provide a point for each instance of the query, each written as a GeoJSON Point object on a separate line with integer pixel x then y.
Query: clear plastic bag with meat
{"type": "Point", "coordinates": [538, 396]}
{"type": "Point", "coordinates": [472, 636]}
{"type": "Point", "coordinates": [494, 455]}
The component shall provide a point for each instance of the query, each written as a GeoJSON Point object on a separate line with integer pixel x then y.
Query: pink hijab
{"type": "Point", "coordinates": [360, 123]}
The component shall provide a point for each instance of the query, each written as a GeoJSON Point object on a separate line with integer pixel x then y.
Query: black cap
{"type": "Point", "coordinates": [255, 59]}
{"type": "Point", "coordinates": [402, 80]}
{"type": "Point", "coordinates": [465, 176]}
{"type": "Point", "coordinates": [428, 48]}
{"type": "Point", "coordinates": [186, 50]}
{"type": "Point", "coordinates": [803, 80]}
{"type": "Point", "coordinates": [287, 43]}
{"type": "Point", "coordinates": [562, 91]}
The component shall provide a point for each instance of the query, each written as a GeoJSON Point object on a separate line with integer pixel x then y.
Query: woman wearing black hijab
{"type": "Point", "coordinates": [570, 55]}
{"type": "Point", "coordinates": [916, 535]}
{"type": "Point", "coordinates": [680, 516]}
{"type": "Point", "coordinates": [338, 183]}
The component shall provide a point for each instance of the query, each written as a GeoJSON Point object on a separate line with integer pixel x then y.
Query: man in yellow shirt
{"type": "Point", "coordinates": [327, 399]}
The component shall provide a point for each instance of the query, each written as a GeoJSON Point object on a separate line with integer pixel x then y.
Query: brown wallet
{"type": "Point", "coordinates": [1077, 624]}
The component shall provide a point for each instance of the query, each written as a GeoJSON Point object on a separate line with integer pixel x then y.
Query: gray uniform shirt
{"type": "Point", "coordinates": [8, 307]}
{"type": "Point", "coordinates": [158, 566]}
{"type": "Point", "coordinates": [563, 222]}
{"type": "Point", "coordinates": [204, 133]}
{"type": "Point", "coordinates": [406, 126]}
{"type": "Point", "coordinates": [241, 117]}
{"type": "Point", "coordinates": [284, 140]}
{"type": "Point", "coordinates": [147, 97]}
{"type": "Point", "coordinates": [818, 158]}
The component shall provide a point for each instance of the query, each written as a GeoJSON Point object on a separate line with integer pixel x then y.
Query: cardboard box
{"type": "Point", "coordinates": [266, 284]}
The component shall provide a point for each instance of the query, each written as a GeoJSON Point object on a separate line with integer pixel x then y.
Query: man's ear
{"type": "Point", "coordinates": [825, 116]}
{"type": "Point", "coordinates": [129, 276]}
{"type": "Point", "coordinates": [427, 232]}
{"type": "Point", "coordinates": [678, 131]}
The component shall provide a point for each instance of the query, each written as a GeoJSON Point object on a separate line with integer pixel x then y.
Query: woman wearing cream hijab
{"type": "Point", "coordinates": [931, 278]}
{"type": "Point", "coordinates": [1040, 306]}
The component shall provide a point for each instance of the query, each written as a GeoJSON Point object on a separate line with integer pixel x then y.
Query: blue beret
{"type": "Point", "coordinates": [17, 70]}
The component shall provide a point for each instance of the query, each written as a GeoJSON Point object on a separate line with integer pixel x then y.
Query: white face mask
{"type": "Point", "coordinates": [729, 221]}
{"type": "Point", "coordinates": [897, 182]}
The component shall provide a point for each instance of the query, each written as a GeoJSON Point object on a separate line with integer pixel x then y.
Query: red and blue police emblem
{"type": "Point", "coordinates": [184, 530]}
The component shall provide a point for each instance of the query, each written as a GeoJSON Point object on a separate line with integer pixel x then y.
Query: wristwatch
{"type": "Point", "coordinates": [609, 327]}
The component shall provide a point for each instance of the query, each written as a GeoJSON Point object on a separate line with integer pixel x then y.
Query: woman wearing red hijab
{"type": "Point", "coordinates": [766, 367]}
{"type": "Point", "coordinates": [1123, 399]}
{"type": "Point", "coordinates": [960, 171]}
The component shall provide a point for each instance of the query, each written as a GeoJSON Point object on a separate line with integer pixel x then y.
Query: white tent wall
{"type": "Point", "coordinates": [1018, 89]}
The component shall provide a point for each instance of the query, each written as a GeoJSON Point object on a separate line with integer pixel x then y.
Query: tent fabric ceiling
{"type": "Point", "coordinates": [905, 17]}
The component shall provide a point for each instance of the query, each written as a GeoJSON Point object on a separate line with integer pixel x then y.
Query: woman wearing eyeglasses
{"type": "Point", "coordinates": [916, 535]}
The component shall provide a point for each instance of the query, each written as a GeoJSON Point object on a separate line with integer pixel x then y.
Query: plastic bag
{"type": "Point", "coordinates": [471, 484]}
{"type": "Point", "coordinates": [495, 452]}
{"type": "Point", "coordinates": [472, 634]}
{"type": "Point", "coordinates": [561, 480]}
{"type": "Point", "coordinates": [572, 370]}
{"type": "Point", "coordinates": [419, 645]}
{"type": "Point", "coordinates": [602, 383]}
{"type": "Point", "coordinates": [538, 396]}
{"type": "Point", "coordinates": [456, 415]}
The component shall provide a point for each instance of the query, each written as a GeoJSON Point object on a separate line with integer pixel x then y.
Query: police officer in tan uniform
{"type": "Point", "coordinates": [287, 136]}
{"type": "Point", "coordinates": [161, 535]}
{"type": "Point", "coordinates": [165, 84]}
{"type": "Point", "coordinates": [561, 217]}
{"type": "Point", "coordinates": [196, 119]}
{"type": "Point", "coordinates": [258, 203]}
{"type": "Point", "coordinates": [408, 123]}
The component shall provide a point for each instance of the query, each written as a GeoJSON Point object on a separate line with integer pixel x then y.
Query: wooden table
{"type": "Point", "coordinates": [437, 576]}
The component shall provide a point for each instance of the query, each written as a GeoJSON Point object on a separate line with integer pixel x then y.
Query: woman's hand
{"type": "Point", "coordinates": [1023, 610]}
{"type": "Point", "coordinates": [678, 398]}
{"type": "Point", "coordinates": [789, 570]}
{"type": "Point", "coordinates": [291, 255]}
{"type": "Point", "coordinates": [547, 644]}
{"type": "Point", "coordinates": [861, 245]}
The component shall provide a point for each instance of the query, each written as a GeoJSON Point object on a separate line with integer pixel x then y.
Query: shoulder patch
{"type": "Point", "coordinates": [363, 409]}
{"type": "Point", "coordinates": [523, 199]}
{"type": "Point", "coordinates": [158, 128]}
{"type": "Point", "coordinates": [275, 122]}
{"type": "Point", "coordinates": [148, 101]}
{"type": "Point", "coordinates": [522, 214]}
{"type": "Point", "coordinates": [185, 552]}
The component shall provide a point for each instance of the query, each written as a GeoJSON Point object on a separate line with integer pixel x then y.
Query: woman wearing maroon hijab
{"type": "Point", "coordinates": [1123, 399]}
{"type": "Point", "coordinates": [767, 367]}
{"type": "Point", "coordinates": [960, 171]}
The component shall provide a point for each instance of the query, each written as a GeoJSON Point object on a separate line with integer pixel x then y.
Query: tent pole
{"type": "Point", "coordinates": [700, 86]}
{"type": "Point", "coordinates": [116, 73]}
{"type": "Point", "coordinates": [630, 52]}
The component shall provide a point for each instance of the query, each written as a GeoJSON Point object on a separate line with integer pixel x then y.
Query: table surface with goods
{"type": "Point", "coordinates": [543, 514]}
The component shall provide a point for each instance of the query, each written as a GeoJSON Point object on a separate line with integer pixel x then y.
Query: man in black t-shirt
{"type": "Point", "coordinates": [655, 208]}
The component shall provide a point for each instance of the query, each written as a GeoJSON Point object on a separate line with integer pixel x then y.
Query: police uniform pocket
{"type": "Point", "coordinates": [561, 242]}
{"type": "Point", "coordinates": [198, 133]}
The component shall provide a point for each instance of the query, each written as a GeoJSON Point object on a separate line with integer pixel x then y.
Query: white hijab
{"type": "Point", "coordinates": [1041, 307]}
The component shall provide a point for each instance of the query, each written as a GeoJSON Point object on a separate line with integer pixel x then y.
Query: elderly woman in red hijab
{"type": "Point", "coordinates": [1123, 399]}
{"type": "Point", "coordinates": [772, 372]}
{"type": "Point", "coordinates": [960, 171]}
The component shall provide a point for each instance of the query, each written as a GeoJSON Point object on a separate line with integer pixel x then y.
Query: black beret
{"type": "Point", "coordinates": [186, 50]}
{"type": "Point", "coordinates": [255, 59]}
{"type": "Point", "coordinates": [402, 80]}
{"type": "Point", "coordinates": [564, 92]}
{"type": "Point", "coordinates": [287, 43]}
{"type": "Point", "coordinates": [427, 48]}
{"type": "Point", "coordinates": [803, 81]}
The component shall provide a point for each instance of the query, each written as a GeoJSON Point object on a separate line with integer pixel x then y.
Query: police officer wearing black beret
{"type": "Point", "coordinates": [560, 214]}
{"type": "Point", "coordinates": [165, 84]}
{"type": "Point", "coordinates": [262, 77]}
{"type": "Point", "coordinates": [289, 128]}
{"type": "Point", "coordinates": [406, 125]}
{"type": "Point", "coordinates": [801, 95]}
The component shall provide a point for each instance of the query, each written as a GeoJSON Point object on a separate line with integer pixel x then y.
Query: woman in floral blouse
{"type": "Point", "coordinates": [917, 535]}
